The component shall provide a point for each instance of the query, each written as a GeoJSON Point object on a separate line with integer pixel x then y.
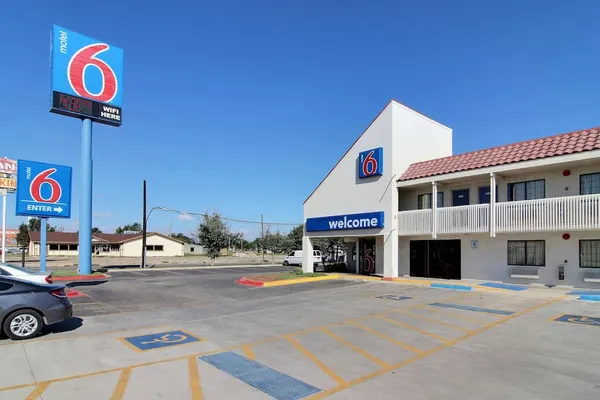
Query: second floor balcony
{"type": "Point", "coordinates": [570, 213]}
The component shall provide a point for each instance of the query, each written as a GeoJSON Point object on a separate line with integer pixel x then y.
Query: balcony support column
{"type": "Point", "coordinates": [434, 193]}
{"type": "Point", "coordinates": [492, 205]}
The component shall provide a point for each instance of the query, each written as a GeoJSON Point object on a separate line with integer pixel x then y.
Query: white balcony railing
{"type": "Point", "coordinates": [572, 213]}
{"type": "Point", "coordinates": [463, 219]}
{"type": "Point", "coordinates": [415, 222]}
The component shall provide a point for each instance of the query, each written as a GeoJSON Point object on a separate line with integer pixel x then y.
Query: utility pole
{"type": "Point", "coordinates": [262, 236]}
{"type": "Point", "coordinates": [241, 241]}
{"type": "Point", "coordinates": [144, 227]}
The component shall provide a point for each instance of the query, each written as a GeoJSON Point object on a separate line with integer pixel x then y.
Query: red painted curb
{"type": "Point", "coordinates": [80, 277]}
{"type": "Point", "coordinates": [388, 279]}
{"type": "Point", "coordinates": [74, 293]}
{"type": "Point", "coordinates": [249, 282]}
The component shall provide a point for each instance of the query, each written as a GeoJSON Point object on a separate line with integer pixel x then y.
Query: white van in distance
{"type": "Point", "coordinates": [295, 258]}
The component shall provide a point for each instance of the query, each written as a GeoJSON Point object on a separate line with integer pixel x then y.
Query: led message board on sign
{"type": "Point", "coordinates": [370, 163]}
{"type": "Point", "coordinates": [87, 77]}
{"type": "Point", "coordinates": [344, 222]}
{"type": "Point", "coordinates": [43, 190]}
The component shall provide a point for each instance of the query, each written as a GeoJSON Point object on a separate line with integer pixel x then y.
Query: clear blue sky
{"type": "Point", "coordinates": [243, 106]}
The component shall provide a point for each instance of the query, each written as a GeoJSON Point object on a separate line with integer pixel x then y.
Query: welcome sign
{"type": "Point", "coordinates": [344, 222]}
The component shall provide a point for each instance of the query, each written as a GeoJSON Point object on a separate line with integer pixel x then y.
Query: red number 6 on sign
{"type": "Point", "coordinates": [369, 165]}
{"type": "Point", "coordinates": [35, 189]}
{"type": "Point", "coordinates": [76, 73]}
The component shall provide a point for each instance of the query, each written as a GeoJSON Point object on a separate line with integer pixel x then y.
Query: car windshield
{"type": "Point", "coordinates": [18, 268]}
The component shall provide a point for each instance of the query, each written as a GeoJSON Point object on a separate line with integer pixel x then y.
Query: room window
{"type": "Point", "coordinates": [424, 200]}
{"type": "Point", "coordinates": [73, 247]}
{"type": "Point", "coordinates": [115, 247]}
{"type": "Point", "coordinates": [589, 184]}
{"type": "Point", "coordinates": [54, 247]}
{"type": "Point", "coordinates": [589, 254]}
{"type": "Point", "coordinates": [63, 247]}
{"type": "Point", "coordinates": [529, 190]}
{"type": "Point", "coordinates": [154, 247]}
{"type": "Point", "coordinates": [191, 249]}
{"type": "Point", "coordinates": [527, 252]}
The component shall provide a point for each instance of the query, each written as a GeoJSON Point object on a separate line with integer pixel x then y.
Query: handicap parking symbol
{"type": "Point", "coordinates": [579, 319]}
{"type": "Point", "coordinates": [160, 340]}
{"type": "Point", "coordinates": [393, 297]}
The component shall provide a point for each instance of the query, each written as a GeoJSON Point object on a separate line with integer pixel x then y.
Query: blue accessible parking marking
{"type": "Point", "coordinates": [579, 319]}
{"type": "Point", "coordinates": [393, 297]}
{"type": "Point", "coordinates": [274, 383]}
{"type": "Point", "coordinates": [469, 308]}
{"type": "Point", "coordinates": [590, 297]}
{"type": "Point", "coordinates": [160, 340]}
{"type": "Point", "coordinates": [584, 292]}
{"type": "Point", "coordinates": [506, 286]}
{"type": "Point", "coordinates": [450, 286]}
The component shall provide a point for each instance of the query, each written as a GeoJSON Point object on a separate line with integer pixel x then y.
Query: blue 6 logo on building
{"type": "Point", "coordinates": [370, 163]}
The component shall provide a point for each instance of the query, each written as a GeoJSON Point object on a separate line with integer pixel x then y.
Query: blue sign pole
{"type": "Point", "coordinates": [43, 227]}
{"type": "Point", "coordinates": [85, 204]}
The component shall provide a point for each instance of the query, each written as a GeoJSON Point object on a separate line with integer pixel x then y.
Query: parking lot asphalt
{"type": "Point", "coordinates": [201, 336]}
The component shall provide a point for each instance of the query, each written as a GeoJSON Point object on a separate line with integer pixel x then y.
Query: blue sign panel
{"type": "Point", "coordinates": [87, 77]}
{"type": "Point", "coordinates": [160, 340]}
{"type": "Point", "coordinates": [43, 190]}
{"type": "Point", "coordinates": [370, 163]}
{"type": "Point", "coordinates": [579, 319]}
{"type": "Point", "coordinates": [343, 222]}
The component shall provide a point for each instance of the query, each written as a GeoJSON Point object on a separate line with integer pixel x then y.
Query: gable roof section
{"type": "Point", "coordinates": [551, 146]}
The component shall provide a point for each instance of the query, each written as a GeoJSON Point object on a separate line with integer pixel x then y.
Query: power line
{"type": "Point", "coordinates": [166, 209]}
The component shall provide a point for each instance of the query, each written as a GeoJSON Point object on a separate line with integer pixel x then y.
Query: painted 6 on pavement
{"type": "Point", "coordinates": [43, 190]}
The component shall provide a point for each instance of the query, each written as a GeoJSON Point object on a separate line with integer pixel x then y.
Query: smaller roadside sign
{"type": "Point", "coordinates": [8, 174]}
{"type": "Point", "coordinates": [43, 190]}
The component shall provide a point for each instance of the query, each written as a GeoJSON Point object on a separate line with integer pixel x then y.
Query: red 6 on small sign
{"type": "Point", "coordinates": [38, 182]}
{"type": "Point", "coordinates": [369, 164]}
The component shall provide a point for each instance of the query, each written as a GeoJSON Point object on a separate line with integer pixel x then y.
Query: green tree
{"type": "Point", "coordinates": [182, 237]}
{"type": "Point", "coordinates": [135, 227]}
{"type": "Point", "coordinates": [295, 237]}
{"type": "Point", "coordinates": [276, 242]}
{"type": "Point", "coordinates": [23, 235]}
{"type": "Point", "coordinates": [329, 246]}
{"type": "Point", "coordinates": [96, 230]}
{"type": "Point", "coordinates": [35, 224]}
{"type": "Point", "coordinates": [213, 235]}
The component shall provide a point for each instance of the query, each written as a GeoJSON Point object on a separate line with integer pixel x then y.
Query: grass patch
{"type": "Point", "coordinates": [57, 273]}
{"type": "Point", "coordinates": [282, 276]}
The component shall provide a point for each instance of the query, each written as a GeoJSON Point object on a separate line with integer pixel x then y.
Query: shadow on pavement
{"type": "Point", "coordinates": [86, 283]}
{"type": "Point", "coordinates": [65, 326]}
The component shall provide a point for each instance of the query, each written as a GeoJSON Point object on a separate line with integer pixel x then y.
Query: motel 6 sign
{"type": "Point", "coordinates": [87, 77]}
{"type": "Point", "coordinates": [43, 190]}
{"type": "Point", "coordinates": [370, 163]}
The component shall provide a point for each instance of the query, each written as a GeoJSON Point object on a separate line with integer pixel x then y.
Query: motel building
{"type": "Point", "coordinates": [525, 212]}
{"type": "Point", "coordinates": [107, 244]}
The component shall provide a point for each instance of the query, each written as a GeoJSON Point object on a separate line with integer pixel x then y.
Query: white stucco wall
{"type": "Point", "coordinates": [171, 248]}
{"type": "Point", "coordinates": [489, 260]}
{"type": "Point", "coordinates": [406, 137]}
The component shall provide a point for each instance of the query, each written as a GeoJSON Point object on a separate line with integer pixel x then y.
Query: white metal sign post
{"type": "Point", "coordinates": [3, 192]}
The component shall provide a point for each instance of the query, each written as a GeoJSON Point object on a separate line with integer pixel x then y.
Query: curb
{"type": "Point", "coordinates": [81, 277]}
{"type": "Point", "coordinates": [250, 282]}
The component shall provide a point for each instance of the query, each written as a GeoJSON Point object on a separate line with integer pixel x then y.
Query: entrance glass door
{"type": "Point", "coordinates": [366, 264]}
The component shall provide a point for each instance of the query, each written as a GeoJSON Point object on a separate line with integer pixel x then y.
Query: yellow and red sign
{"type": "Point", "coordinates": [8, 174]}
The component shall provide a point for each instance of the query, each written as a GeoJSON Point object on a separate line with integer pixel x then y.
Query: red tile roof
{"type": "Point", "coordinates": [551, 146]}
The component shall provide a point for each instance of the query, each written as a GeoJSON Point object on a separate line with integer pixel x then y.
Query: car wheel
{"type": "Point", "coordinates": [286, 263]}
{"type": "Point", "coordinates": [23, 324]}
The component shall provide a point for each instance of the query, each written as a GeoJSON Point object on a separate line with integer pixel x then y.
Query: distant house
{"type": "Point", "coordinates": [193, 249]}
{"type": "Point", "coordinates": [108, 244]}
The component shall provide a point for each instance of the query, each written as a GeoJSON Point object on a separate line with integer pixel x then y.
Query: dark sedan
{"type": "Point", "coordinates": [25, 307]}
